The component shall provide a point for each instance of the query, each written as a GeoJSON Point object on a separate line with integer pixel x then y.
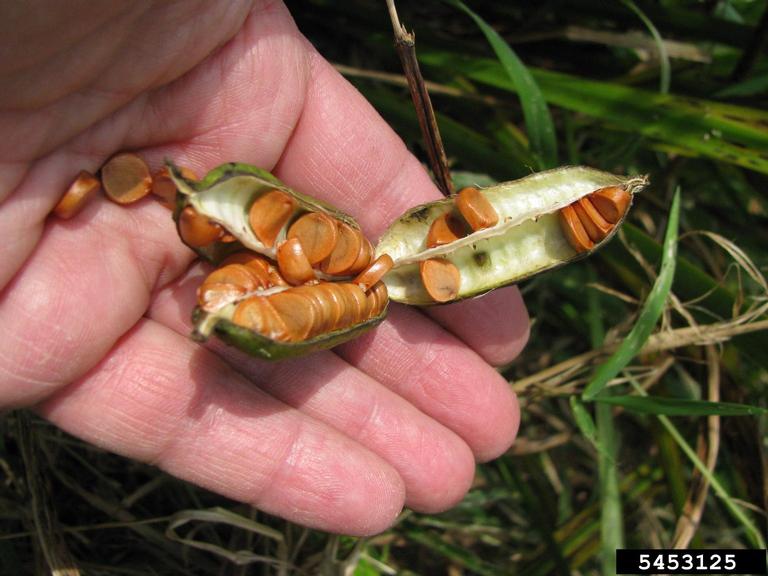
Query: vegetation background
{"type": "Point", "coordinates": [672, 453]}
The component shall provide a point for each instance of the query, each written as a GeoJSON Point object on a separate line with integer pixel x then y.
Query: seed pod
{"type": "Point", "coordinates": [278, 309]}
{"type": "Point", "coordinates": [286, 322]}
{"type": "Point", "coordinates": [527, 238]}
{"type": "Point", "coordinates": [251, 204]}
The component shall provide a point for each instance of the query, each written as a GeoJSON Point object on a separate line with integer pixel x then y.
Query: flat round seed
{"type": "Point", "coordinates": [374, 272]}
{"type": "Point", "coordinates": [323, 308]}
{"type": "Point", "coordinates": [611, 202]}
{"type": "Point", "coordinates": [258, 314]}
{"type": "Point", "coordinates": [363, 257]}
{"type": "Point", "coordinates": [444, 230]}
{"type": "Point", "coordinates": [293, 262]}
{"type": "Point", "coordinates": [345, 252]}
{"type": "Point", "coordinates": [77, 195]}
{"type": "Point", "coordinates": [357, 303]}
{"type": "Point", "coordinates": [574, 230]}
{"type": "Point", "coordinates": [477, 211]}
{"type": "Point", "coordinates": [317, 233]}
{"type": "Point", "coordinates": [269, 213]}
{"type": "Point", "coordinates": [441, 279]}
{"type": "Point", "coordinates": [596, 226]}
{"type": "Point", "coordinates": [380, 298]}
{"type": "Point", "coordinates": [164, 188]}
{"type": "Point", "coordinates": [296, 311]}
{"type": "Point", "coordinates": [126, 178]}
{"type": "Point", "coordinates": [197, 230]}
{"type": "Point", "coordinates": [330, 293]}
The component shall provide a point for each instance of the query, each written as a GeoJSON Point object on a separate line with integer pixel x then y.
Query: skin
{"type": "Point", "coordinates": [95, 310]}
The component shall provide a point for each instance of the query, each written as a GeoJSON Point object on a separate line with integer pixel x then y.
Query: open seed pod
{"type": "Point", "coordinates": [253, 206]}
{"type": "Point", "coordinates": [511, 231]}
{"type": "Point", "coordinates": [285, 263]}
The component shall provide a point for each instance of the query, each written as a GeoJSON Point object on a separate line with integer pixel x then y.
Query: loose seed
{"type": "Point", "coordinates": [444, 230]}
{"type": "Point", "coordinates": [126, 178]}
{"type": "Point", "coordinates": [293, 262]}
{"type": "Point", "coordinates": [477, 211]}
{"type": "Point", "coordinates": [164, 188]}
{"type": "Point", "coordinates": [229, 283]}
{"type": "Point", "coordinates": [441, 279]}
{"type": "Point", "coordinates": [258, 314]}
{"type": "Point", "coordinates": [269, 213]}
{"type": "Point", "coordinates": [197, 230]}
{"type": "Point", "coordinates": [595, 225]}
{"type": "Point", "coordinates": [611, 202]}
{"type": "Point", "coordinates": [345, 252]}
{"type": "Point", "coordinates": [317, 233]}
{"type": "Point", "coordinates": [374, 272]}
{"type": "Point", "coordinates": [77, 195]}
{"type": "Point", "coordinates": [574, 230]}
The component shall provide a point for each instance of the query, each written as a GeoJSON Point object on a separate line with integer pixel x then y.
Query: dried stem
{"type": "Point", "coordinates": [405, 44]}
{"type": "Point", "coordinates": [693, 509]}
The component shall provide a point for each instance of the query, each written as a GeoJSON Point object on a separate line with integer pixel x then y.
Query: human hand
{"type": "Point", "coordinates": [95, 310]}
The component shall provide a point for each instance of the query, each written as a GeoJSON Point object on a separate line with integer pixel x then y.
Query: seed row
{"type": "Point", "coordinates": [304, 312]}
{"type": "Point", "coordinates": [593, 217]}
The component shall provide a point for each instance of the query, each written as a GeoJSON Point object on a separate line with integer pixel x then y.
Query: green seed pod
{"type": "Point", "coordinates": [237, 207]}
{"type": "Point", "coordinates": [528, 237]}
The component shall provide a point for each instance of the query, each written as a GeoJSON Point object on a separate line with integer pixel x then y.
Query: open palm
{"type": "Point", "coordinates": [95, 311]}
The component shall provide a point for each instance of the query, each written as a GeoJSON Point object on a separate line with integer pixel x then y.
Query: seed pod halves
{"type": "Point", "coordinates": [527, 238]}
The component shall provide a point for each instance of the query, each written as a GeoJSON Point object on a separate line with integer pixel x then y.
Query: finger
{"type": "Point", "coordinates": [436, 466]}
{"type": "Point", "coordinates": [426, 365]}
{"type": "Point", "coordinates": [160, 398]}
{"type": "Point", "coordinates": [496, 325]}
{"type": "Point", "coordinates": [88, 281]}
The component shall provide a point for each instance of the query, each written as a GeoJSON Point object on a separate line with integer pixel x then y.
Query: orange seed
{"type": "Point", "coordinates": [293, 262]}
{"type": "Point", "coordinates": [269, 213]}
{"type": "Point", "coordinates": [441, 279]}
{"type": "Point", "coordinates": [345, 252]}
{"type": "Point", "coordinates": [611, 202]}
{"type": "Point", "coordinates": [317, 233]}
{"type": "Point", "coordinates": [197, 230]}
{"type": "Point", "coordinates": [477, 211]}
{"type": "Point", "coordinates": [444, 230]}
{"type": "Point", "coordinates": [77, 195]}
{"type": "Point", "coordinates": [574, 230]}
{"type": "Point", "coordinates": [126, 178]}
{"type": "Point", "coordinates": [368, 277]}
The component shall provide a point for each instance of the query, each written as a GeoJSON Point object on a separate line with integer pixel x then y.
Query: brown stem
{"type": "Point", "coordinates": [405, 44]}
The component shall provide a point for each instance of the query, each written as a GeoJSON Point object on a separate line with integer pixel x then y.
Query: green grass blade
{"type": "Point", "coordinates": [753, 533]}
{"type": "Point", "coordinates": [691, 126]}
{"type": "Point", "coordinates": [666, 74]}
{"type": "Point", "coordinates": [583, 419]}
{"type": "Point", "coordinates": [654, 306]}
{"type": "Point", "coordinates": [541, 129]}
{"type": "Point", "coordinates": [681, 406]}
